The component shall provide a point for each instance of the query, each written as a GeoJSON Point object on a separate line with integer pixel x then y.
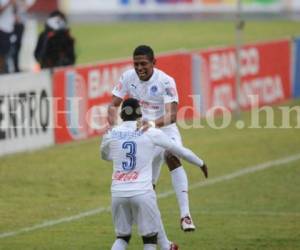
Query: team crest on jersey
{"type": "Point", "coordinates": [153, 90]}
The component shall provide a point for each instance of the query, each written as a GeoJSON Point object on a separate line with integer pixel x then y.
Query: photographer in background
{"type": "Point", "coordinates": [55, 45]}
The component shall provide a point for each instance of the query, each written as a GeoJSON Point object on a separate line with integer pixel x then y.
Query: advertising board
{"type": "Point", "coordinates": [296, 68]}
{"type": "Point", "coordinates": [264, 73]}
{"type": "Point", "coordinates": [82, 94]}
{"type": "Point", "coordinates": [26, 113]}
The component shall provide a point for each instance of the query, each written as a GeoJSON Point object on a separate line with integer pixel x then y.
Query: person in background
{"type": "Point", "coordinates": [7, 20]}
{"type": "Point", "coordinates": [55, 46]}
{"type": "Point", "coordinates": [20, 11]}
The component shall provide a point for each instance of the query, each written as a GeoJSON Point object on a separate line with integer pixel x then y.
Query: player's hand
{"type": "Point", "coordinates": [107, 128]}
{"type": "Point", "coordinates": [139, 124]}
{"type": "Point", "coordinates": [204, 170]}
{"type": "Point", "coordinates": [145, 125]}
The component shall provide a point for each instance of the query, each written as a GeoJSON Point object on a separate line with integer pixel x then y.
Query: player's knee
{"type": "Point", "coordinates": [125, 238]}
{"type": "Point", "coordinates": [150, 238]}
{"type": "Point", "coordinates": [172, 161]}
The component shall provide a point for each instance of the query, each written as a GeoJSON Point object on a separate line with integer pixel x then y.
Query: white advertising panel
{"type": "Point", "coordinates": [26, 112]}
{"type": "Point", "coordinates": [166, 6]}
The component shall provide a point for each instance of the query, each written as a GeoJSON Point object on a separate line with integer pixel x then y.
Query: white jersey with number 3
{"type": "Point", "coordinates": [132, 154]}
{"type": "Point", "coordinates": [152, 94]}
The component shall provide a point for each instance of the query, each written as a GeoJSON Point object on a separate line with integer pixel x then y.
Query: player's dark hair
{"type": "Point", "coordinates": [144, 50]}
{"type": "Point", "coordinates": [130, 110]}
{"type": "Point", "coordinates": [58, 13]}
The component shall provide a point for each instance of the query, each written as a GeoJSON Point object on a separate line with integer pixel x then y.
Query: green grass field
{"type": "Point", "coordinates": [117, 40]}
{"type": "Point", "coordinates": [52, 199]}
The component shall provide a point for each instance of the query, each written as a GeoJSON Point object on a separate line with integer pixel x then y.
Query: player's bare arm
{"type": "Point", "coordinates": [170, 115]}
{"type": "Point", "coordinates": [112, 112]}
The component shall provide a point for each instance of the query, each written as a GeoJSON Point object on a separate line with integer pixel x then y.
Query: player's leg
{"type": "Point", "coordinates": [121, 243]}
{"type": "Point", "coordinates": [150, 241]}
{"type": "Point", "coordinates": [147, 216]}
{"type": "Point", "coordinates": [179, 181]}
{"type": "Point", "coordinates": [122, 219]}
{"type": "Point", "coordinates": [157, 163]}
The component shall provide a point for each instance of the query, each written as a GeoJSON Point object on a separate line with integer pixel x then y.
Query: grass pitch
{"type": "Point", "coordinates": [258, 210]}
{"type": "Point", "coordinates": [96, 42]}
{"type": "Point", "coordinates": [50, 199]}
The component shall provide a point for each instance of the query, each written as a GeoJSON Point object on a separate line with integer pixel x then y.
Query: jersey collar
{"type": "Point", "coordinates": [152, 78]}
{"type": "Point", "coordinates": [130, 124]}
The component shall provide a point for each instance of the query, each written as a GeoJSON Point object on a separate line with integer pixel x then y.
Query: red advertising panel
{"type": "Point", "coordinates": [264, 70]}
{"type": "Point", "coordinates": [42, 6]}
{"type": "Point", "coordinates": [83, 93]}
{"type": "Point", "coordinates": [81, 98]}
{"type": "Point", "coordinates": [179, 66]}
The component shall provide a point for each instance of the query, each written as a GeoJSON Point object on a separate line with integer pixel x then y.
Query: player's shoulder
{"type": "Point", "coordinates": [153, 132]}
{"type": "Point", "coordinates": [163, 77]}
{"type": "Point", "coordinates": [129, 75]}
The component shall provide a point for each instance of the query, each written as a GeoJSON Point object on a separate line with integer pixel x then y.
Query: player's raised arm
{"type": "Point", "coordinates": [104, 148]}
{"type": "Point", "coordinates": [160, 139]}
{"type": "Point", "coordinates": [112, 111]}
{"type": "Point", "coordinates": [170, 115]}
{"type": "Point", "coordinates": [118, 94]}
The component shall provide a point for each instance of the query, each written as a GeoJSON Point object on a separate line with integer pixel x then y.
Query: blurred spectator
{"type": "Point", "coordinates": [55, 45]}
{"type": "Point", "coordinates": [7, 20]}
{"type": "Point", "coordinates": [20, 10]}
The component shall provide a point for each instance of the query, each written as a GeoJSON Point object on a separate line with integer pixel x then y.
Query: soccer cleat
{"type": "Point", "coordinates": [173, 246]}
{"type": "Point", "coordinates": [187, 224]}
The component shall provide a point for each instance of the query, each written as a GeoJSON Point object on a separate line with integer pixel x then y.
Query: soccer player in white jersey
{"type": "Point", "coordinates": [133, 198]}
{"type": "Point", "coordinates": [158, 97]}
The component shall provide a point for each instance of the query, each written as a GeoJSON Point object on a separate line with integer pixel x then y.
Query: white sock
{"type": "Point", "coordinates": [162, 238]}
{"type": "Point", "coordinates": [149, 246]}
{"type": "Point", "coordinates": [180, 185]}
{"type": "Point", "coordinates": [119, 244]}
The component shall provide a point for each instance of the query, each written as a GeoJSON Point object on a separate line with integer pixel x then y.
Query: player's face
{"type": "Point", "coordinates": [143, 67]}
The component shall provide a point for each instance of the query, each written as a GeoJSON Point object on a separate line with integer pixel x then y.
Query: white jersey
{"type": "Point", "coordinates": [132, 153]}
{"type": "Point", "coordinates": [152, 94]}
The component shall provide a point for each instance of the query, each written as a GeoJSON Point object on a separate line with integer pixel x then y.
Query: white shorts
{"type": "Point", "coordinates": [172, 132]}
{"type": "Point", "coordinates": [139, 209]}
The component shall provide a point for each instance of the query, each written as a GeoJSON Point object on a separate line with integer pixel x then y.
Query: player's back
{"type": "Point", "coordinates": [132, 153]}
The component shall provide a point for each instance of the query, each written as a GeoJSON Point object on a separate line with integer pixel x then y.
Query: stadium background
{"type": "Point", "coordinates": [58, 197]}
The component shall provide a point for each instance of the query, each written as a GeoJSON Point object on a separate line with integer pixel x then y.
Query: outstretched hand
{"type": "Point", "coordinates": [204, 170]}
{"type": "Point", "coordinates": [144, 125]}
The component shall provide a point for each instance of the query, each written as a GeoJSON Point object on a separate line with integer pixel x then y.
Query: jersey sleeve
{"type": "Point", "coordinates": [120, 90]}
{"type": "Point", "coordinates": [170, 91]}
{"type": "Point", "coordinates": [105, 149]}
{"type": "Point", "coordinates": [161, 139]}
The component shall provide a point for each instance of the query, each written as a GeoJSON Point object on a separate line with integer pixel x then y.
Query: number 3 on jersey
{"type": "Point", "coordinates": [130, 148]}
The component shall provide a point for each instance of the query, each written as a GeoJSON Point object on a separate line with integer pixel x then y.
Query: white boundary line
{"type": "Point", "coordinates": [236, 174]}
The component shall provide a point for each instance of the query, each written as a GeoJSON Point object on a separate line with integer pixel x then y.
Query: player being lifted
{"type": "Point", "coordinates": [158, 97]}
{"type": "Point", "coordinates": [133, 197]}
